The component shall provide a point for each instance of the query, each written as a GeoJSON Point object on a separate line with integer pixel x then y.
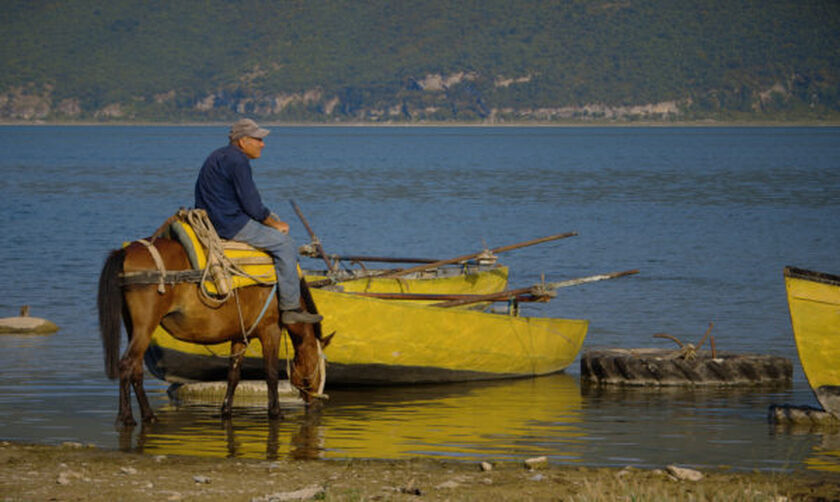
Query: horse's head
{"type": "Point", "coordinates": [308, 373]}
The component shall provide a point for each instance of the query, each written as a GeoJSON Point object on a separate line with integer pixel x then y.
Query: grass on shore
{"type": "Point", "coordinates": [75, 472]}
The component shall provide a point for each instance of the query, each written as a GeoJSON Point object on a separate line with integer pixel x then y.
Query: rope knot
{"type": "Point", "coordinates": [486, 258]}
{"type": "Point", "coordinates": [541, 291]}
{"type": "Point", "coordinates": [309, 250]}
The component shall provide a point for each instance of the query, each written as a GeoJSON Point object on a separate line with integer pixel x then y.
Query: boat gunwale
{"type": "Point", "coordinates": [810, 275]}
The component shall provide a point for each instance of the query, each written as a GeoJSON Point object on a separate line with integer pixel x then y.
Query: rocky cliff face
{"type": "Point", "coordinates": [433, 97]}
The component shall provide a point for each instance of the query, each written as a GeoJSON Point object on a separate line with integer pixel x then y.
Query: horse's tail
{"type": "Point", "coordinates": [110, 303]}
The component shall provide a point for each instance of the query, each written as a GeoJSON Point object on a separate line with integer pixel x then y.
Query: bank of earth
{"type": "Point", "coordinates": [76, 472]}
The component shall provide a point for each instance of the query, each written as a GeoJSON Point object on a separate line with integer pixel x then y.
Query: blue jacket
{"type": "Point", "coordinates": [225, 189]}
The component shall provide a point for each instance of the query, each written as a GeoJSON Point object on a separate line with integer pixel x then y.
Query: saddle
{"type": "Point", "coordinates": [250, 265]}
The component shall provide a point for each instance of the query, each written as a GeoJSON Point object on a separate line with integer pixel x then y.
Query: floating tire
{"type": "Point", "coordinates": [660, 367]}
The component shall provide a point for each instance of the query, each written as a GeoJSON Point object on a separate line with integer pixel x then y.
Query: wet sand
{"type": "Point", "coordinates": [76, 472]}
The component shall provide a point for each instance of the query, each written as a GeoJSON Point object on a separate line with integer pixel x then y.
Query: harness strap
{"type": "Point", "coordinates": [158, 263]}
{"type": "Point", "coordinates": [262, 312]}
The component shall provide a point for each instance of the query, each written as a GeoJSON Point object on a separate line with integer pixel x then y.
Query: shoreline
{"type": "Point", "coordinates": [72, 471]}
{"type": "Point", "coordinates": [512, 125]}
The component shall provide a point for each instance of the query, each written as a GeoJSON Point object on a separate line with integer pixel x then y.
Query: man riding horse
{"type": "Point", "coordinates": [142, 287]}
{"type": "Point", "coordinates": [225, 189]}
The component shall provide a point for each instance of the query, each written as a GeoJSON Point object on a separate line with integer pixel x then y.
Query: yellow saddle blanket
{"type": "Point", "coordinates": [257, 266]}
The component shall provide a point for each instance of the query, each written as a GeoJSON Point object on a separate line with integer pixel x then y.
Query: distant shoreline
{"type": "Point", "coordinates": [649, 124]}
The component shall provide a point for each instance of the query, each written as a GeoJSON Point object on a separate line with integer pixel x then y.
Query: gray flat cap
{"type": "Point", "coordinates": [246, 127]}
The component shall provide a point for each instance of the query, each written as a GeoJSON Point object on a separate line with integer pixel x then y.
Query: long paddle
{"type": "Point", "coordinates": [459, 259]}
{"type": "Point", "coordinates": [381, 259]}
{"type": "Point", "coordinates": [312, 236]}
{"type": "Point", "coordinates": [544, 291]}
{"type": "Point", "coordinates": [440, 297]}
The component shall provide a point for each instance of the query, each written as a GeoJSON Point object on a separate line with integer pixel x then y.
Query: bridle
{"type": "Point", "coordinates": [319, 370]}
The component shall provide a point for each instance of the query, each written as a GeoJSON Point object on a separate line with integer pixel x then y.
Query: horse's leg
{"type": "Point", "coordinates": [270, 334]}
{"type": "Point", "coordinates": [237, 350]}
{"type": "Point", "coordinates": [131, 369]}
{"type": "Point", "coordinates": [124, 416]}
{"type": "Point", "coordinates": [146, 413]}
{"type": "Point", "coordinates": [144, 307]}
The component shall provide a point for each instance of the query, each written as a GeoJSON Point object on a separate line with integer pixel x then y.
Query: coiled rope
{"type": "Point", "coordinates": [219, 268]}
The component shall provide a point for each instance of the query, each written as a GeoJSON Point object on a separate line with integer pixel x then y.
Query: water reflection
{"type": "Point", "coordinates": [703, 427]}
{"type": "Point", "coordinates": [199, 430]}
{"type": "Point", "coordinates": [508, 421]}
{"type": "Point", "coordinates": [466, 421]}
{"type": "Point", "coordinates": [825, 452]}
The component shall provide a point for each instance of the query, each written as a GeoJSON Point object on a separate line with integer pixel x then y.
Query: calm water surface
{"type": "Point", "coordinates": [709, 215]}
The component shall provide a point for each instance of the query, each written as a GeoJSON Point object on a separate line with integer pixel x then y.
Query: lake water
{"type": "Point", "coordinates": [710, 216]}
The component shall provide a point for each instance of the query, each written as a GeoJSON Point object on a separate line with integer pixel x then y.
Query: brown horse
{"type": "Point", "coordinates": [187, 315]}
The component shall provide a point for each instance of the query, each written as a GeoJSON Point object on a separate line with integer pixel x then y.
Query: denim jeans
{"type": "Point", "coordinates": [282, 248]}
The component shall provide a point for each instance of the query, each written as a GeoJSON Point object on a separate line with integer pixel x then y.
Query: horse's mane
{"type": "Point", "coordinates": [306, 295]}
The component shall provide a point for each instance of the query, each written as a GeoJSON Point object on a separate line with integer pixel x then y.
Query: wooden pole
{"type": "Point", "coordinates": [438, 297]}
{"type": "Point", "coordinates": [459, 259]}
{"type": "Point", "coordinates": [382, 259]}
{"type": "Point", "coordinates": [312, 236]}
{"type": "Point", "coordinates": [544, 291]}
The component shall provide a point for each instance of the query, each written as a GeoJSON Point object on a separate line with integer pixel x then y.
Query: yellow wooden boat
{"type": "Point", "coordinates": [386, 342]}
{"type": "Point", "coordinates": [459, 280]}
{"type": "Point", "coordinates": [176, 361]}
{"type": "Point", "coordinates": [814, 302]}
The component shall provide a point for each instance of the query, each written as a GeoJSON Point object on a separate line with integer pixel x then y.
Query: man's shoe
{"type": "Point", "coordinates": [296, 316]}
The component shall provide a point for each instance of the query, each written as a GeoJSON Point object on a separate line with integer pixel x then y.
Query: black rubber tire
{"type": "Point", "coordinates": [659, 367]}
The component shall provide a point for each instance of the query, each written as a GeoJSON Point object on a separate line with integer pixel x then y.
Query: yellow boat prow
{"type": "Point", "coordinates": [814, 302]}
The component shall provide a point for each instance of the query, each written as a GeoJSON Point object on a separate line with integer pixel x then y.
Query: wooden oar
{"type": "Point", "coordinates": [510, 247]}
{"type": "Point", "coordinates": [544, 291]}
{"type": "Point", "coordinates": [381, 259]}
{"type": "Point", "coordinates": [438, 297]}
{"type": "Point", "coordinates": [312, 236]}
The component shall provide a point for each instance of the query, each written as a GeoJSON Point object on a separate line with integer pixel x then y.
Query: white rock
{"type": "Point", "coordinates": [486, 466]}
{"type": "Point", "coordinates": [302, 494]}
{"type": "Point", "coordinates": [536, 463]}
{"type": "Point", "coordinates": [684, 474]}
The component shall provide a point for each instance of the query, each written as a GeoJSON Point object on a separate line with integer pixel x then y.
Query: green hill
{"type": "Point", "coordinates": [420, 60]}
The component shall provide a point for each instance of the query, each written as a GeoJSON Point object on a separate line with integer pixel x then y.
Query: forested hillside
{"type": "Point", "coordinates": [420, 60]}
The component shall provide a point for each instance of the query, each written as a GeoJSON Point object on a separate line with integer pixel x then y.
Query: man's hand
{"type": "Point", "coordinates": [275, 223]}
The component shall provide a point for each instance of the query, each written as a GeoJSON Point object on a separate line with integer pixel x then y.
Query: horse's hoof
{"type": "Point", "coordinates": [314, 406]}
{"type": "Point", "coordinates": [153, 419]}
{"type": "Point", "coordinates": [126, 422]}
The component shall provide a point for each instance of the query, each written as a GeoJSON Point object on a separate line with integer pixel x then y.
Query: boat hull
{"type": "Point", "coordinates": [380, 342]}
{"type": "Point", "coordinates": [814, 303]}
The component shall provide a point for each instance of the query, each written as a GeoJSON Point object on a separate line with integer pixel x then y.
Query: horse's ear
{"type": "Point", "coordinates": [326, 341]}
